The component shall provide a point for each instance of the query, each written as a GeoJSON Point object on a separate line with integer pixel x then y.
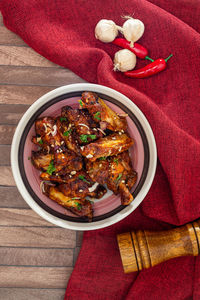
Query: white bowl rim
{"type": "Point", "coordinates": [152, 156]}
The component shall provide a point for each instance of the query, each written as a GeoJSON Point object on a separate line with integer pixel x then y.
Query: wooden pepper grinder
{"type": "Point", "coordinates": [143, 249]}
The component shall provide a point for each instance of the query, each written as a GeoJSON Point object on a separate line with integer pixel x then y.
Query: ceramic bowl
{"type": "Point", "coordinates": [107, 210]}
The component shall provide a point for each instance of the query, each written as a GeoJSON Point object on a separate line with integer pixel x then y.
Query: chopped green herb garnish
{"type": "Point", "coordinates": [75, 198]}
{"type": "Point", "coordinates": [78, 205]}
{"type": "Point", "coordinates": [63, 119]}
{"type": "Point", "coordinates": [119, 177]}
{"type": "Point", "coordinates": [92, 136]}
{"type": "Point", "coordinates": [51, 168]}
{"type": "Point", "coordinates": [102, 158]}
{"type": "Point", "coordinates": [82, 177]}
{"type": "Point", "coordinates": [84, 137]}
{"type": "Point", "coordinates": [80, 102]}
{"type": "Point", "coordinates": [67, 133]}
{"type": "Point", "coordinates": [40, 142]}
{"type": "Point", "coordinates": [116, 161]}
{"type": "Point", "coordinates": [96, 116]}
{"type": "Point", "coordinates": [29, 158]}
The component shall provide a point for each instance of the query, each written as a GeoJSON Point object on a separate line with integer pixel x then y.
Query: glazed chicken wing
{"type": "Point", "coordinates": [47, 133]}
{"type": "Point", "coordinates": [98, 170]}
{"type": "Point", "coordinates": [41, 160]}
{"type": "Point", "coordinates": [83, 123]}
{"type": "Point", "coordinates": [80, 207]}
{"type": "Point", "coordinates": [101, 112]}
{"type": "Point", "coordinates": [67, 161]}
{"type": "Point", "coordinates": [121, 176]}
{"type": "Point", "coordinates": [68, 134]}
{"type": "Point", "coordinates": [59, 162]}
{"type": "Point", "coordinates": [116, 172]}
{"type": "Point", "coordinates": [107, 146]}
{"type": "Point", "coordinates": [76, 184]}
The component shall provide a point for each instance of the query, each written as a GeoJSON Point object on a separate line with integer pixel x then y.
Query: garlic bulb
{"type": "Point", "coordinates": [124, 60]}
{"type": "Point", "coordinates": [106, 31]}
{"type": "Point", "coordinates": [133, 30]}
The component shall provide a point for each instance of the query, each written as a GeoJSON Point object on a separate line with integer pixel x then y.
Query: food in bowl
{"type": "Point", "coordinates": [80, 151]}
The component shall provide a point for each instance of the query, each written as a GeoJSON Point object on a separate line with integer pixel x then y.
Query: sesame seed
{"type": "Point", "coordinates": [73, 172]}
{"type": "Point", "coordinates": [100, 165]}
{"type": "Point", "coordinates": [123, 181]}
{"type": "Point", "coordinates": [70, 176]}
{"type": "Point", "coordinates": [80, 191]}
{"type": "Point", "coordinates": [120, 133]}
{"type": "Point", "coordinates": [62, 142]}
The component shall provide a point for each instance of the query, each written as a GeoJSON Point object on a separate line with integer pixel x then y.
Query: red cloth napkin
{"type": "Point", "coordinates": [63, 32]}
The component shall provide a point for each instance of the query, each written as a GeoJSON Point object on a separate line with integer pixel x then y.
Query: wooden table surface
{"type": "Point", "coordinates": [36, 257]}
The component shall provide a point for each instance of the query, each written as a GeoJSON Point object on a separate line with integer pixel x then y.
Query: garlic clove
{"type": "Point", "coordinates": [124, 60]}
{"type": "Point", "coordinates": [133, 30]}
{"type": "Point", "coordinates": [106, 31]}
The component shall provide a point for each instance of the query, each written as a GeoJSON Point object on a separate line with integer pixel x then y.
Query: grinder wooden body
{"type": "Point", "coordinates": [143, 249]}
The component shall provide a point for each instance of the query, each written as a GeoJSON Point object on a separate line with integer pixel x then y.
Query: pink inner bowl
{"type": "Point", "coordinates": [110, 201]}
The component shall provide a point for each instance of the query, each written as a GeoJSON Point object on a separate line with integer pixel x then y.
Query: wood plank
{"type": "Point", "coordinates": [39, 237]}
{"type": "Point", "coordinates": [6, 177]}
{"type": "Point", "coordinates": [22, 56]}
{"type": "Point", "coordinates": [76, 253]}
{"type": "Point", "coordinates": [6, 133]}
{"type": "Point", "coordinates": [11, 114]}
{"type": "Point", "coordinates": [8, 37]}
{"type": "Point", "coordinates": [5, 155]}
{"type": "Point", "coordinates": [79, 238]}
{"type": "Point", "coordinates": [37, 76]}
{"type": "Point", "coordinates": [36, 257]}
{"type": "Point", "coordinates": [10, 197]}
{"type": "Point", "coordinates": [31, 294]}
{"type": "Point", "coordinates": [34, 277]}
{"type": "Point", "coordinates": [21, 217]}
{"type": "Point", "coordinates": [12, 94]}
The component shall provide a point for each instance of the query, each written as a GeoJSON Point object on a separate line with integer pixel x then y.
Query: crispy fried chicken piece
{"type": "Point", "coordinates": [83, 123]}
{"type": "Point", "coordinates": [80, 207]}
{"type": "Point", "coordinates": [107, 146]}
{"type": "Point", "coordinates": [101, 112]}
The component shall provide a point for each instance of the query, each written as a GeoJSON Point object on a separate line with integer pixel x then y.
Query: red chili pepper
{"type": "Point", "coordinates": [153, 68]}
{"type": "Point", "coordinates": [137, 49]}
